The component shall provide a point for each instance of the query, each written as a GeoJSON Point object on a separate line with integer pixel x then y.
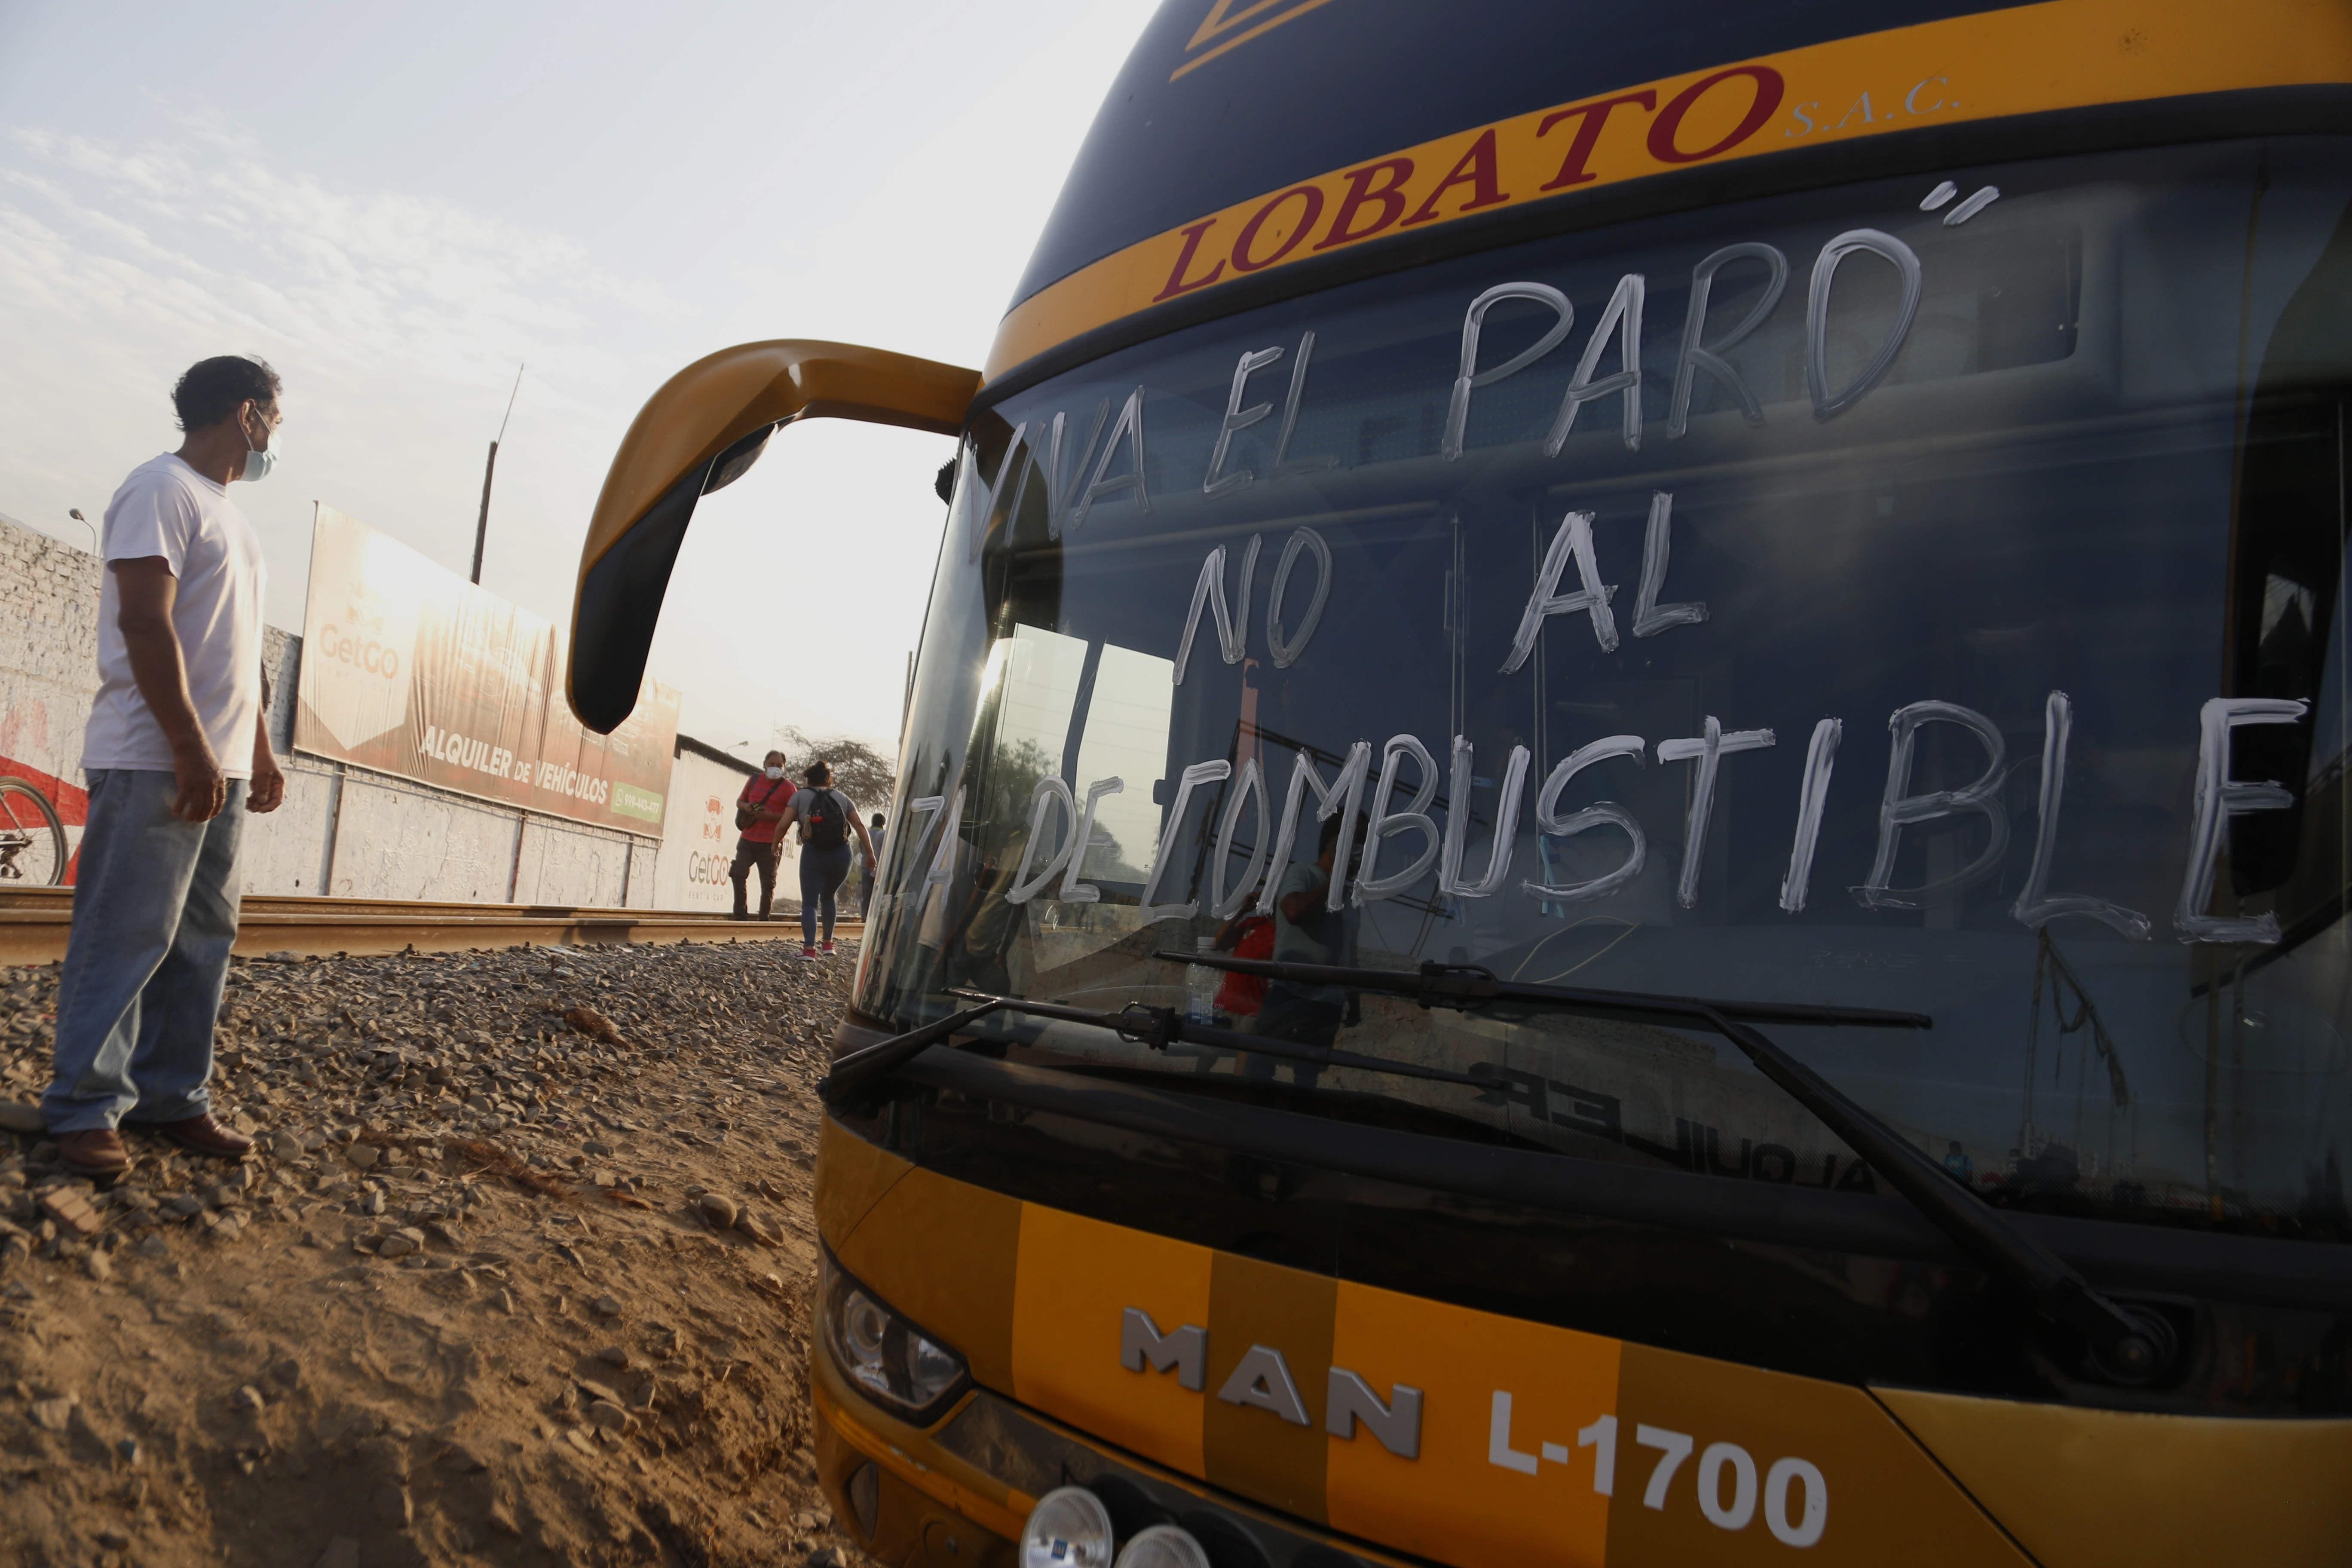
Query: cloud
{"type": "Point", "coordinates": [220, 239]}
{"type": "Point", "coordinates": [397, 317]}
{"type": "Point", "coordinates": [396, 320]}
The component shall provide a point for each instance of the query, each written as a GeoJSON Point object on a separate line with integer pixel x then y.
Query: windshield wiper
{"type": "Point", "coordinates": [861, 1072]}
{"type": "Point", "coordinates": [2132, 1346]}
{"type": "Point", "coordinates": [1464, 985]}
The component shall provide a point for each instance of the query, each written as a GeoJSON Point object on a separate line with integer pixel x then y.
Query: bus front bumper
{"type": "Point", "coordinates": [957, 1494]}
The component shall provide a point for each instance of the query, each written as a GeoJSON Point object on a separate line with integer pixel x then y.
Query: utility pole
{"type": "Point", "coordinates": [482, 526]}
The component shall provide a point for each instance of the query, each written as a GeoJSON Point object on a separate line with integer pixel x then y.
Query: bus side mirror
{"type": "Point", "coordinates": [701, 431]}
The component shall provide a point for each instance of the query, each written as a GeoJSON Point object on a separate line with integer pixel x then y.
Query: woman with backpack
{"type": "Point", "coordinates": [827, 818]}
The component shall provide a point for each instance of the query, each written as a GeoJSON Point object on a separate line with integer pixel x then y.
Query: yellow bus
{"type": "Point", "coordinates": [1623, 833]}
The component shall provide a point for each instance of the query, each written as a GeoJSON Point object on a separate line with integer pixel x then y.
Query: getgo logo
{"type": "Point", "coordinates": [360, 652]}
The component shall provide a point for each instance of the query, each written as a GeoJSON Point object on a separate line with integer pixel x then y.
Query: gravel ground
{"type": "Point", "coordinates": [521, 1273]}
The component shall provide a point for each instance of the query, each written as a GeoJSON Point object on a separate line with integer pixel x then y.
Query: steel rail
{"type": "Point", "coordinates": [35, 925]}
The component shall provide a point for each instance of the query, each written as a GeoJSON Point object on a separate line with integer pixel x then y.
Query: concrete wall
{"type": "Point", "coordinates": [644, 862]}
{"type": "Point", "coordinates": [396, 840]}
{"type": "Point", "coordinates": [48, 650]}
{"type": "Point", "coordinates": [285, 851]}
{"type": "Point", "coordinates": [48, 667]}
{"type": "Point", "coordinates": [341, 831]}
{"type": "Point", "coordinates": [281, 655]}
{"type": "Point", "coordinates": [563, 864]}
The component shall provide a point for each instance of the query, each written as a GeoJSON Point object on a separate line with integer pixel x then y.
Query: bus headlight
{"type": "Point", "coordinates": [1162, 1546]}
{"type": "Point", "coordinates": [889, 1358]}
{"type": "Point", "coordinates": [1069, 1528]}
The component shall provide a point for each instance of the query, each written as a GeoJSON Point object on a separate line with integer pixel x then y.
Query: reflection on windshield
{"type": "Point", "coordinates": [1816, 599]}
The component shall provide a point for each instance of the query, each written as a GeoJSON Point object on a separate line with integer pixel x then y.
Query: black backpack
{"type": "Point", "coordinates": [826, 817]}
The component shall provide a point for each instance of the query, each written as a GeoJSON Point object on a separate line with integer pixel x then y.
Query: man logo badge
{"type": "Point", "coordinates": [1261, 1380]}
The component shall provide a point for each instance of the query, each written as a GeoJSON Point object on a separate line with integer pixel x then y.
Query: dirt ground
{"type": "Point", "coordinates": [522, 1274]}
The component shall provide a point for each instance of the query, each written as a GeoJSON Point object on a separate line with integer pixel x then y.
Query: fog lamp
{"type": "Point", "coordinates": [889, 1358]}
{"type": "Point", "coordinates": [1162, 1546]}
{"type": "Point", "coordinates": [1069, 1528]}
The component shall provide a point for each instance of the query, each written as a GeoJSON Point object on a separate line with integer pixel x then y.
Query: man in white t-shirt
{"type": "Point", "coordinates": [177, 753]}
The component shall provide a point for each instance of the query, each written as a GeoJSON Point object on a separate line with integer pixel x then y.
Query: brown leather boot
{"type": "Point", "coordinates": [96, 1152]}
{"type": "Point", "coordinates": [202, 1135]}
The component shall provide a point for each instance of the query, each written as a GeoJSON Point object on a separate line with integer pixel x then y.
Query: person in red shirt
{"type": "Point", "coordinates": [1244, 936]}
{"type": "Point", "coordinates": [758, 812]}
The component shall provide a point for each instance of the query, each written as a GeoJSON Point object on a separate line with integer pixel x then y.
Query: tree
{"type": "Point", "coordinates": [1002, 805]}
{"type": "Point", "coordinates": [859, 772]}
{"type": "Point", "coordinates": [997, 808]}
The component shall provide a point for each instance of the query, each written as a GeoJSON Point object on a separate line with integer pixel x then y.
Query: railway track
{"type": "Point", "coordinates": [36, 922]}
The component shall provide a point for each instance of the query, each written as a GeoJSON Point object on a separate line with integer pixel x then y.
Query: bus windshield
{"type": "Point", "coordinates": [1918, 594]}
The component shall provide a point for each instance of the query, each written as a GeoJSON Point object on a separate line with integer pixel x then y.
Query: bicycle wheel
{"type": "Point", "coordinates": [32, 840]}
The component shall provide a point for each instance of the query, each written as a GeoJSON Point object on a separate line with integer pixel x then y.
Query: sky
{"type": "Point", "coordinates": [398, 205]}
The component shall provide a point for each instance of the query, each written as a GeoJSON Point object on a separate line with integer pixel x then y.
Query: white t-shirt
{"type": "Point", "coordinates": [166, 507]}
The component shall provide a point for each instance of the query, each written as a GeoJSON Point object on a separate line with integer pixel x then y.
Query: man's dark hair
{"type": "Point", "coordinates": [214, 388]}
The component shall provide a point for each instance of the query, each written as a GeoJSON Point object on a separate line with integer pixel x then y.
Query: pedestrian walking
{"type": "Point", "coordinates": [827, 817]}
{"type": "Point", "coordinates": [877, 836]}
{"type": "Point", "coordinates": [176, 755]}
{"type": "Point", "coordinates": [759, 813]}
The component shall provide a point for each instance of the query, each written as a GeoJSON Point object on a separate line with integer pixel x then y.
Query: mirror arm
{"type": "Point", "coordinates": [672, 456]}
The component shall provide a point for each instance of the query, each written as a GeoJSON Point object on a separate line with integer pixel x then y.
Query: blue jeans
{"type": "Point", "coordinates": [154, 915]}
{"type": "Point", "coordinates": [821, 874]}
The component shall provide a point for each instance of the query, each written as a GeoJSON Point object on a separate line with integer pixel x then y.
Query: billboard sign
{"type": "Point", "coordinates": [408, 668]}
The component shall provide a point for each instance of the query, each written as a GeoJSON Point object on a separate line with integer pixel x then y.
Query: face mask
{"type": "Point", "coordinates": [774, 774]}
{"type": "Point", "coordinates": [258, 461]}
